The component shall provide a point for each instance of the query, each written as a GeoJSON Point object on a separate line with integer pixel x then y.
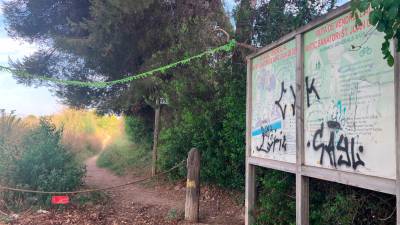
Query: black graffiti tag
{"type": "Point", "coordinates": [283, 110]}
{"type": "Point", "coordinates": [279, 101]}
{"type": "Point", "coordinates": [349, 158]}
{"type": "Point", "coordinates": [271, 141]}
{"type": "Point", "coordinates": [294, 102]}
{"type": "Point", "coordinates": [310, 89]}
{"type": "Point", "coordinates": [344, 140]}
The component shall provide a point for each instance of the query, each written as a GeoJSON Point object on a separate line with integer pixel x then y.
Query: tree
{"type": "Point", "coordinates": [385, 15]}
{"type": "Point", "coordinates": [275, 18]}
{"type": "Point", "coordinates": [117, 38]}
{"type": "Point", "coordinates": [108, 40]}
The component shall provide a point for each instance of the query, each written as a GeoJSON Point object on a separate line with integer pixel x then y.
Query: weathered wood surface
{"type": "Point", "coordinates": [250, 168]}
{"type": "Point", "coordinates": [155, 137]}
{"type": "Point", "coordinates": [193, 186]}
{"type": "Point", "coordinates": [302, 182]}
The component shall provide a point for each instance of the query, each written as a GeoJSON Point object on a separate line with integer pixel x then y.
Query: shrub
{"type": "Point", "coordinates": [45, 164]}
{"type": "Point", "coordinates": [11, 132]}
{"type": "Point", "coordinates": [219, 163]}
{"type": "Point", "coordinates": [123, 155]}
{"type": "Point", "coordinates": [276, 198]}
{"type": "Point", "coordinates": [208, 112]}
{"type": "Point", "coordinates": [330, 203]}
{"type": "Point", "coordinates": [138, 130]}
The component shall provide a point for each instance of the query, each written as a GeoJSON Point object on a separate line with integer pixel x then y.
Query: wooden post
{"type": "Point", "coordinates": [302, 182]}
{"type": "Point", "coordinates": [155, 137]}
{"type": "Point", "coordinates": [193, 186]}
{"type": "Point", "coordinates": [250, 192]}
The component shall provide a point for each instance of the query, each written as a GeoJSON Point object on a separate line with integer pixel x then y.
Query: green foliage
{"type": "Point", "coordinates": [192, 131]}
{"type": "Point", "coordinates": [11, 132]}
{"type": "Point", "coordinates": [85, 133]}
{"type": "Point", "coordinates": [99, 84]}
{"type": "Point", "coordinates": [123, 155]}
{"type": "Point", "coordinates": [131, 150]}
{"type": "Point", "coordinates": [110, 40]}
{"type": "Point", "coordinates": [276, 201]}
{"type": "Point", "coordinates": [270, 16]}
{"type": "Point", "coordinates": [330, 203]}
{"type": "Point", "coordinates": [175, 214]}
{"type": "Point", "coordinates": [333, 203]}
{"type": "Point", "coordinates": [325, 209]}
{"type": "Point", "coordinates": [45, 164]}
{"type": "Point", "coordinates": [138, 130]}
{"type": "Point", "coordinates": [385, 16]}
{"type": "Point", "coordinates": [206, 99]}
{"type": "Point", "coordinates": [209, 118]}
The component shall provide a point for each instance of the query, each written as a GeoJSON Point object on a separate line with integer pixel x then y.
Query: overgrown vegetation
{"type": "Point", "coordinates": [206, 100]}
{"type": "Point", "coordinates": [330, 203]}
{"type": "Point", "coordinates": [47, 154]}
{"type": "Point", "coordinates": [39, 161]}
{"type": "Point", "coordinates": [12, 132]}
{"type": "Point", "coordinates": [129, 151]}
{"type": "Point", "coordinates": [123, 155]}
{"type": "Point", "coordinates": [86, 133]}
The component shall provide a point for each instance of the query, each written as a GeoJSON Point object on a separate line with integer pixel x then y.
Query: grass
{"type": "Point", "coordinates": [86, 133]}
{"type": "Point", "coordinates": [123, 155]}
{"type": "Point", "coordinates": [85, 153]}
{"type": "Point", "coordinates": [175, 215]}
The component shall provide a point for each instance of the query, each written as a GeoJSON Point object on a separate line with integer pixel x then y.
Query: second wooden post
{"type": "Point", "coordinates": [193, 186]}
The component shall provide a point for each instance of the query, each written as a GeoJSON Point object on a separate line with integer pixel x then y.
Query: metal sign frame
{"type": "Point", "coordinates": [302, 171]}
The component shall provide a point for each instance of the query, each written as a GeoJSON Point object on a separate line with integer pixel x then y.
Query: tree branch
{"type": "Point", "coordinates": [228, 38]}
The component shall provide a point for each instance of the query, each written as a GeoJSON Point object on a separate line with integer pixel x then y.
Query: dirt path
{"type": "Point", "coordinates": [133, 194]}
{"type": "Point", "coordinates": [160, 203]}
{"type": "Point", "coordinates": [155, 204]}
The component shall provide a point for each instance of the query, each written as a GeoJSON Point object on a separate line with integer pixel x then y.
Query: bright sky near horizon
{"type": "Point", "coordinates": [24, 100]}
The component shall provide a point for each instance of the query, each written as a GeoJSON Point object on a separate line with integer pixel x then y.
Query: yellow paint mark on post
{"type": "Point", "coordinates": [190, 184]}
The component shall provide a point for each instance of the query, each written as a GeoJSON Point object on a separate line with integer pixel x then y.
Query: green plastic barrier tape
{"type": "Point", "coordinates": [100, 84]}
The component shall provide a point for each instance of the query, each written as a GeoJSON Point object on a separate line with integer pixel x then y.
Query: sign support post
{"type": "Point", "coordinates": [302, 182]}
{"type": "Point", "coordinates": [346, 105]}
{"type": "Point", "coordinates": [250, 169]}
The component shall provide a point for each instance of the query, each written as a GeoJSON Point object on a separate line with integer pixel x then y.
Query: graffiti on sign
{"type": "Point", "coordinates": [274, 125]}
{"type": "Point", "coordinates": [349, 95]}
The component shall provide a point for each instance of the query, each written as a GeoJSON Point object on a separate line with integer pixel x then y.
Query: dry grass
{"type": "Point", "coordinates": [84, 132]}
{"type": "Point", "coordinates": [87, 133]}
{"type": "Point", "coordinates": [12, 130]}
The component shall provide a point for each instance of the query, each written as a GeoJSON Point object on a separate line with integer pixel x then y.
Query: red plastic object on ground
{"type": "Point", "coordinates": [59, 200]}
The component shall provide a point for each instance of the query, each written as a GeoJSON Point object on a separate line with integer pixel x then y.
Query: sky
{"type": "Point", "coordinates": [24, 100]}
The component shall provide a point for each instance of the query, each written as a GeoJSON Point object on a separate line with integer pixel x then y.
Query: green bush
{"type": "Point", "coordinates": [138, 130]}
{"type": "Point", "coordinates": [45, 164]}
{"type": "Point", "coordinates": [276, 198]}
{"type": "Point", "coordinates": [207, 112]}
{"type": "Point", "coordinates": [333, 203]}
{"type": "Point", "coordinates": [330, 203]}
{"type": "Point", "coordinates": [11, 132]}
